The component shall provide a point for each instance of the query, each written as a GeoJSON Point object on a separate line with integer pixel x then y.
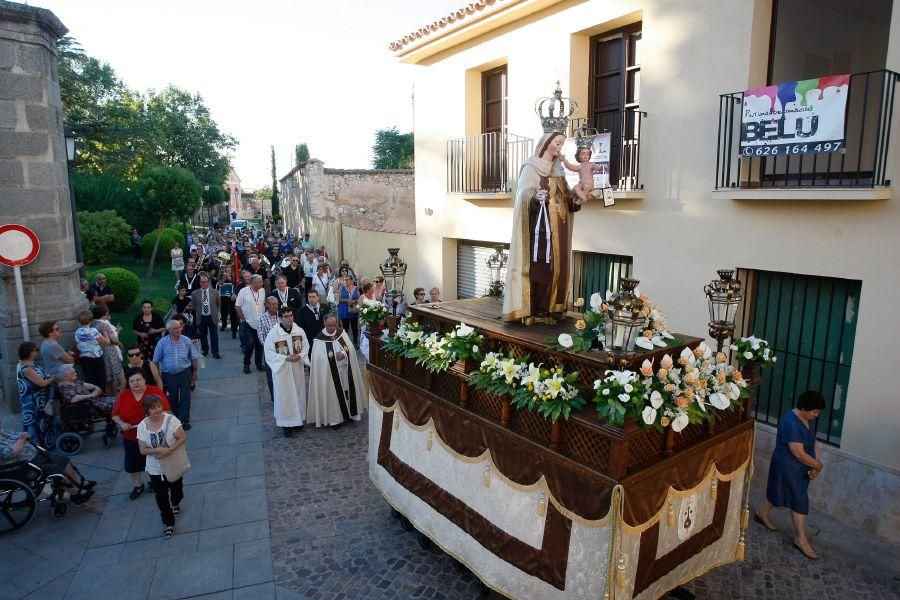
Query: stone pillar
{"type": "Point", "coordinates": [34, 189]}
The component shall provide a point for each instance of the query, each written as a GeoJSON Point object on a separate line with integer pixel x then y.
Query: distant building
{"type": "Point", "coordinates": [233, 185]}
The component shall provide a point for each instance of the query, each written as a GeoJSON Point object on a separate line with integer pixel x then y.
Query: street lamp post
{"type": "Point", "coordinates": [71, 138]}
{"type": "Point", "coordinates": [206, 202]}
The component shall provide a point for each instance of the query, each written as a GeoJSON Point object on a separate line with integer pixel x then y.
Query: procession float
{"type": "Point", "coordinates": [560, 447]}
{"type": "Point", "coordinates": [557, 473]}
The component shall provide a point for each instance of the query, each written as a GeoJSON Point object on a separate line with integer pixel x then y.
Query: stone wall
{"type": "Point", "coordinates": [34, 188]}
{"type": "Point", "coordinates": [375, 199]}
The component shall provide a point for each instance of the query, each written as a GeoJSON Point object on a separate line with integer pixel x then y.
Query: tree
{"type": "Point", "coordinates": [122, 132]}
{"type": "Point", "coordinates": [263, 193]}
{"type": "Point", "coordinates": [214, 196]}
{"type": "Point", "coordinates": [275, 206]}
{"type": "Point", "coordinates": [185, 135]}
{"type": "Point", "coordinates": [103, 191]}
{"type": "Point", "coordinates": [393, 150]}
{"type": "Point", "coordinates": [301, 153]}
{"type": "Point", "coordinates": [169, 193]}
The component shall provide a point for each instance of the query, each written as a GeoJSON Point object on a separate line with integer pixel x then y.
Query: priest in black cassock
{"type": "Point", "coordinates": [336, 389]}
{"type": "Point", "coordinates": [311, 317]}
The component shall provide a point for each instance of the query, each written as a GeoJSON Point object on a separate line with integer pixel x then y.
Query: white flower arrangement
{"type": "Point", "coordinates": [372, 311]}
{"type": "Point", "coordinates": [755, 349]}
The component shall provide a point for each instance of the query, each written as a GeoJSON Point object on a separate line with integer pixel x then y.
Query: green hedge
{"type": "Point", "coordinates": [125, 286]}
{"type": "Point", "coordinates": [166, 243]}
{"type": "Point", "coordinates": [103, 235]}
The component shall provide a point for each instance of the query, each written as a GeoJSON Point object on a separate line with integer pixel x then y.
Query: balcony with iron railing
{"type": "Point", "coordinates": [859, 170]}
{"type": "Point", "coordinates": [624, 127]}
{"type": "Point", "coordinates": [486, 164]}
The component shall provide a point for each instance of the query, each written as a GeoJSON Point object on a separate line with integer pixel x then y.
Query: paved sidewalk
{"type": "Point", "coordinates": [112, 547]}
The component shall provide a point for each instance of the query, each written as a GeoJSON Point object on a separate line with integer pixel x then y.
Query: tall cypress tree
{"type": "Point", "coordinates": [275, 206]}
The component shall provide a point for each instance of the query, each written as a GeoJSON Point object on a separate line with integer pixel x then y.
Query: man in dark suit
{"type": "Point", "coordinates": [311, 317]}
{"type": "Point", "coordinates": [285, 295]}
{"type": "Point", "coordinates": [207, 306]}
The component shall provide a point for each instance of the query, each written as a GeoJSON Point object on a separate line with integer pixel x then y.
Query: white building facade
{"type": "Point", "coordinates": [816, 239]}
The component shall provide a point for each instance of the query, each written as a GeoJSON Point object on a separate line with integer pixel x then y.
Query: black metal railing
{"type": "Point", "coordinates": [861, 163]}
{"type": "Point", "coordinates": [624, 127]}
{"type": "Point", "coordinates": [486, 163]}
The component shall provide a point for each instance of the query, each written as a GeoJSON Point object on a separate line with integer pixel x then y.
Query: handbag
{"type": "Point", "coordinates": [175, 465]}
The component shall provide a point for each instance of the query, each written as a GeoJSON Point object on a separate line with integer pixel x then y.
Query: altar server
{"type": "Point", "coordinates": [285, 350]}
{"type": "Point", "coordinates": [336, 389]}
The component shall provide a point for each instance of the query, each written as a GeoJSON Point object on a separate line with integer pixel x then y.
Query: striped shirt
{"type": "Point", "coordinates": [266, 323]}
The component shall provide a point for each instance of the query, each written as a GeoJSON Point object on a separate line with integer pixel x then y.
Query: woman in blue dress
{"type": "Point", "coordinates": [33, 390]}
{"type": "Point", "coordinates": [347, 308]}
{"type": "Point", "coordinates": [794, 464]}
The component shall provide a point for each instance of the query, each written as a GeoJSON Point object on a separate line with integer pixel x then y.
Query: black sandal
{"type": "Point", "coordinates": [136, 492]}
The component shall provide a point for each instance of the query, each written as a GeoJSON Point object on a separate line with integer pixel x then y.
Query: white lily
{"type": "Point", "coordinates": [621, 377]}
{"type": "Point", "coordinates": [687, 355]}
{"type": "Point", "coordinates": [475, 349]}
{"type": "Point", "coordinates": [624, 398]}
{"type": "Point", "coordinates": [734, 390]}
{"type": "Point", "coordinates": [656, 399]}
{"type": "Point", "coordinates": [644, 343]}
{"type": "Point", "coordinates": [565, 340]}
{"type": "Point", "coordinates": [463, 330]}
{"type": "Point", "coordinates": [657, 341]}
{"type": "Point", "coordinates": [667, 335]}
{"type": "Point", "coordinates": [719, 400]}
{"type": "Point", "coordinates": [680, 422]}
{"type": "Point", "coordinates": [596, 302]}
{"type": "Point", "coordinates": [649, 415]}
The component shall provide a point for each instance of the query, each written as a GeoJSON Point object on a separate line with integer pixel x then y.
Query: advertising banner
{"type": "Point", "coordinates": [796, 117]}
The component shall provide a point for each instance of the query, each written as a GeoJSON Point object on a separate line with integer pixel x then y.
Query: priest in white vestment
{"type": "Point", "coordinates": [336, 389]}
{"type": "Point", "coordinates": [286, 353]}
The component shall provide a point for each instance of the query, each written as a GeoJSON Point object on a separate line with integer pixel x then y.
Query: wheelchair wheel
{"type": "Point", "coordinates": [17, 504]}
{"type": "Point", "coordinates": [59, 510]}
{"type": "Point", "coordinates": [69, 443]}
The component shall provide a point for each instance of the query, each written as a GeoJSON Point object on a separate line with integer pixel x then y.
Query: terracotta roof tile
{"type": "Point", "coordinates": [454, 17]}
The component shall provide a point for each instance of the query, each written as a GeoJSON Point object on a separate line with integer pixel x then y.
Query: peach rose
{"type": "Point", "coordinates": [666, 362]}
{"type": "Point", "coordinates": [721, 377]}
{"type": "Point", "coordinates": [698, 352]}
{"type": "Point", "coordinates": [682, 401]}
{"type": "Point", "coordinates": [648, 333]}
{"type": "Point", "coordinates": [647, 371]}
{"type": "Point", "coordinates": [580, 324]}
{"type": "Point", "coordinates": [662, 373]}
{"type": "Point", "coordinates": [664, 421]}
{"type": "Point", "coordinates": [682, 361]}
{"type": "Point", "coordinates": [720, 357]}
{"type": "Point", "coordinates": [688, 392]}
{"type": "Point", "coordinates": [738, 376]}
{"type": "Point", "coordinates": [670, 387]}
{"type": "Point", "coordinates": [579, 302]}
{"type": "Point", "coordinates": [690, 379]}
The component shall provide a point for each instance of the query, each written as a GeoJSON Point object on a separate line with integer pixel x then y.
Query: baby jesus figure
{"type": "Point", "coordinates": [585, 170]}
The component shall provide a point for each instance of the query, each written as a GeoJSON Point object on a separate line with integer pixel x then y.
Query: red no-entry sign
{"type": "Point", "coordinates": [18, 245]}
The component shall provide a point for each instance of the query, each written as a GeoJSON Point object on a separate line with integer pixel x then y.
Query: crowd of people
{"type": "Point", "coordinates": [296, 315]}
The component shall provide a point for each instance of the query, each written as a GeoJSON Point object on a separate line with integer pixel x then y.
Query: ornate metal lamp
{"type": "Point", "coordinates": [394, 271]}
{"type": "Point", "coordinates": [625, 321]}
{"type": "Point", "coordinates": [723, 296]}
{"type": "Point", "coordinates": [496, 262]}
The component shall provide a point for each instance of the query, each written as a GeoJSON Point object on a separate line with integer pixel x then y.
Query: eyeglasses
{"type": "Point", "coordinates": [133, 354]}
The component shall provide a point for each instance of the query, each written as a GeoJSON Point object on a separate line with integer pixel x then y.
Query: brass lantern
{"type": "Point", "coordinates": [394, 271]}
{"type": "Point", "coordinates": [625, 320]}
{"type": "Point", "coordinates": [723, 296]}
{"type": "Point", "coordinates": [496, 262]}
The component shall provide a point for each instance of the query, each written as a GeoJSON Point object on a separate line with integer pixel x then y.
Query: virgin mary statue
{"type": "Point", "coordinates": [538, 280]}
